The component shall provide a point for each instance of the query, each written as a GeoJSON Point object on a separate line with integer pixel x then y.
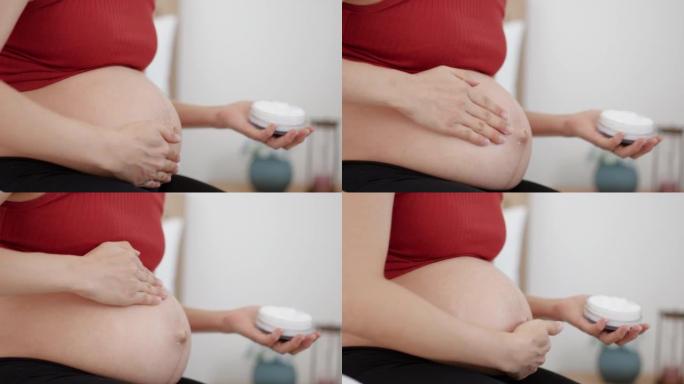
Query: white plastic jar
{"type": "Point", "coordinates": [284, 116]}
{"type": "Point", "coordinates": [290, 320]}
{"type": "Point", "coordinates": [617, 311]}
{"type": "Point", "coordinates": [632, 125]}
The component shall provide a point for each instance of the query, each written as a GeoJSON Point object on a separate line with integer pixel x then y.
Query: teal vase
{"type": "Point", "coordinates": [619, 365]}
{"type": "Point", "coordinates": [274, 371]}
{"type": "Point", "coordinates": [270, 173]}
{"type": "Point", "coordinates": [616, 177]}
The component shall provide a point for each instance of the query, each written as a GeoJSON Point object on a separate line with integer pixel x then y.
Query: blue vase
{"type": "Point", "coordinates": [270, 173]}
{"type": "Point", "coordinates": [275, 371]}
{"type": "Point", "coordinates": [619, 365]}
{"type": "Point", "coordinates": [617, 177]}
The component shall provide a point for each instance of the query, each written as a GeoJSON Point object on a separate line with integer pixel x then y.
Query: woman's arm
{"type": "Point", "coordinates": [393, 317]}
{"type": "Point", "coordinates": [236, 117]}
{"type": "Point", "coordinates": [443, 99]}
{"type": "Point", "coordinates": [571, 310]}
{"type": "Point", "coordinates": [242, 321]}
{"type": "Point", "coordinates": [583, 125]}
{"type": "Point", "coordinates": [136, 153]}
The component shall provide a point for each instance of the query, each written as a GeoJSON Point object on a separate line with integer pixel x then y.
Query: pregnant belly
{"type": "Point", "coordinates": [107, 97]}
{"type": "Point", "coordinates": [384, 135]}
{"type": "Point", "coordinates": [472, 290]}
{"type": "Point", "coordinates": [137, 344]}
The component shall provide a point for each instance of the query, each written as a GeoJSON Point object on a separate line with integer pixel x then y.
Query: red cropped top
{"type": "Point", "coordinates": [56, 39]}
{"type": "Point", "coordinates": [76, 223]}
{"type": "Point", "coordinates": [417, 35]}
{"type": "Point", "coordinates": [432, 227]}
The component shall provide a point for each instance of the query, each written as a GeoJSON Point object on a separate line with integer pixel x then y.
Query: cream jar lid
{"type": "Point", "coordinates": [633, 125]}
{"type": "Point", "coordinates": [290, 320]}
{"type": "Point", "coordinates": [283, 115]}
{"type": "Point", "coordinates": [616, 310]}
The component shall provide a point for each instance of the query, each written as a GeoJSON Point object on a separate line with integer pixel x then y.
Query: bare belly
{"type": "Point", "coordinates": [107, 98]}
{"type": "Point", "coordinates": [137, 344]}
{"type": "Point", "coordinates": [470, 289]}
{"type": "Point", "coordinates": [385, 135]}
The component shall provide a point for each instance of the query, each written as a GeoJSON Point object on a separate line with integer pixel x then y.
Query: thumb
{"type": "Point", "coordinates": [553, 327]}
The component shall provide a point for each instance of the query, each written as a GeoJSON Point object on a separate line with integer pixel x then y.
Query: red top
{"type": "Point", "coordinates": [417, 35]}
{"type": "Point", "coordinates": [56, 39]}
{"type": "Point", "coordinates": [431, 227]}
{"type": "Point", "coordinates": [75, 223]}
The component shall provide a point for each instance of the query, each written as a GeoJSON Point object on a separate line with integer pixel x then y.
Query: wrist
{"type": "Point", "coordinates": [74, 278]}
{"type": "Point", "coordinates": [400, 91]}
{"type": "Point", "coordinates": [568, 128]}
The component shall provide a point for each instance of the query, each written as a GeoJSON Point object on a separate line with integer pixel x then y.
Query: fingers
{"type": "Point", "coordinates": [171, 135]}
{"type": "Point", "coordinates": [625, 151]}
{"type": "Point", "coordinates": [487, 103]}
{"type": "Point", "coordinates": [495, 121]}
{"type": "Point", "coordinates": [301, 136]}
{"type": "Point", "coordinates": [151, 184]}
{"type": "Point", "coordinates": [610, 338]}
{"type": "Point", "coordinates": [633, 333]}
{"type": "Point", "coordinates": [144, 298]}
{"type": "Point", "coordinates": [306, 344]}
{"type": "Point", "coordinates": [650, 144]}
{"type": "Point", "coordinates": [290, 345]}
{"type": "Point", "coordinates": [607, 143]}
{"type": "Point", "coordinates": [482, 128]}
{"type": "Point", "coordinates": [276, 142]}
{"type": "Point", "coordinates": [467, 134]}
{"type": "Point", "coordinates": [553, 327]}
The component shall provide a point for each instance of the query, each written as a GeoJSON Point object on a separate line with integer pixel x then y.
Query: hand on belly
{"type": "Point", "coordinates": [138, 118]}
{"type": "Point", "coordinates": [386, 135]}
{"type": "Point", "coordinates": [138, 344]}
{"type": "Point", "coordinates": [472, 290]}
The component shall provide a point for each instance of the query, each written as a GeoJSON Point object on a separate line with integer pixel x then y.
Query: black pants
{"type": "Point", "coordinates": [32, 371]}
{"type": "Point", "coordinates": [28, 175]}
{"type": "Point", "coordinates": [379, 366]}
{"type": "Point", "coordinates": [367, 176]}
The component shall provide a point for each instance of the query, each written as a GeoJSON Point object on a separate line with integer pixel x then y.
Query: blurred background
{"type": "Point", "coordinates": [215, 52]}
{"type": "Point", "coordinates": [626, 245]}
{"type": "Point", "coordinates": [567, 56]}
{"type": "Point", "coordinates": [237, 250]}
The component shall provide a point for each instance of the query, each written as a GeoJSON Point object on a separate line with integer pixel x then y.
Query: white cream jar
{"type": "Point", "coordinates": [290, 320]}
{"type": "Point", "coordinates": [284, 116]}
{"type": "Point", "coordinates": [616, 310]}
{"type": "Point", "coordinates": [632, 125]}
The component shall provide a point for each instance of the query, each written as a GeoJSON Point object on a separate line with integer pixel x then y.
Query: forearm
{"type": "Point", "coordinates": [549, 125]}
{"type": "Point", "coordinates": [395, 318]}
{"type": "Point", "coordinates": [32, 131]}
{"type": "Point", "coordinates": [543, 308]}
{"type": "Point", "coordinates": [196, 116]}
{"type": "Point", "coordinates": [371, 85]}
{"type": "Point", "coordinates": [23, 273]}
{"type": "Point", "coordinates": [202, 320]}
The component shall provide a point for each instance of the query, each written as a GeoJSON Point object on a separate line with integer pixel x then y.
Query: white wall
{"type": "Point", "coordinates": [628, 245]}
{"type": "Point", "coordinates": [255, 49]}
{"type": "Point", "coordinates": [254, 249]}
{"type": "Point", "coordinates": [585, 54]}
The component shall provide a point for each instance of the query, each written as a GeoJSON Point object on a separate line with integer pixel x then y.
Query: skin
{"type": "Point", "coordinates": [107, 297]}
{"type": "Point", "coordinates": [497, 330]}
{"type": "Point", "coordinates": [447, 118]}
{"type": "Point", "coordinates": [111, 121]}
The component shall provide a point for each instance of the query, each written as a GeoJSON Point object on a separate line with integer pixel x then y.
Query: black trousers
{"type": "Point", "coordinates": [28, 175]}
{"type": "Point", "coordinates": [32, 371]}
{"type": "Point", "coordinates": [367, 176]}
{"type": "Point", "coordinates": [379, 366]}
